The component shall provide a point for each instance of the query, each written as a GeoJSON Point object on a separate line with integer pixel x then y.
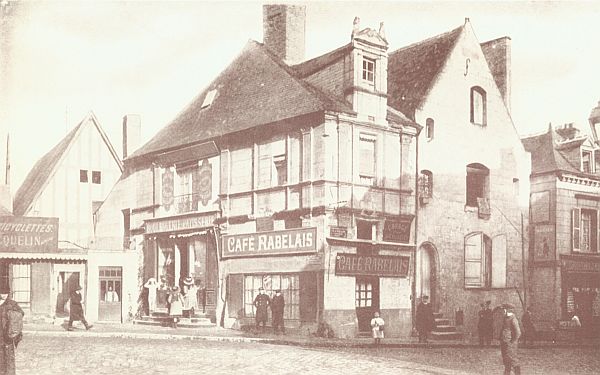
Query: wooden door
{"type": "Point", "coordinates": [109, 304]}
{"type": "Point", "coordinates": [366, 301]}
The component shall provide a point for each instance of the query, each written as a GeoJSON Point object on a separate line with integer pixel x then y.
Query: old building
{"type": "Point", "coordinates": [48, 245]}
{"type": "Point", "coordinates": [473, 172]}
{"type": "Point", "coordinates": [565, 231]}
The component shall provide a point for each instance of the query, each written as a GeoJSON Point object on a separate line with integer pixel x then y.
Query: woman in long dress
{"type": "Point", "coordinates": [152, 286]}
{"type": "Point", "coordinates": [190, 299]}
{"type": "Point", "coordinates": [377, 324]}
{"type": "Point", "coordinates": [175, 305]}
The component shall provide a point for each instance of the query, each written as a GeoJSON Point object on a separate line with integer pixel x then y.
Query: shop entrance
{"type": "Point", "coordinates": [366, 301]}
{"type": "Point", "coordinates": [65, 283]}
{"type": "Point", "coordinates": [425, 283]}
{"type": "Point", "coordinates": [109, 304]}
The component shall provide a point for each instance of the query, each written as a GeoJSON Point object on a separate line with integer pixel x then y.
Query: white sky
{"type": "Point", "coordinates": [153, 58]}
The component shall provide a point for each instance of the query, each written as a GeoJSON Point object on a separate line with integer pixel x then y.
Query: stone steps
{"type": "Point", "coordinates": [444, 330]}
{"type": "Point", "coordinates": [162, 318]}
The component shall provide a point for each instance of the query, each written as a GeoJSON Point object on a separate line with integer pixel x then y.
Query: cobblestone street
{"type": "Point", "coordinates": [100, 355]}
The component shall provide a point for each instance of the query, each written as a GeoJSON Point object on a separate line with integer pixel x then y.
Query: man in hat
{"type": "Point", "coordinates": [11, 323]}
{"type": "Point", "coordinates": [76, 309]}
{"type": "Point", "coordinates": [488, 324]}
{"type": "Point", "coordinates": [277, 307]}
{"type": "Point", "coordinates": [261, 302]}
{"type": "Point", "coordinates": [509, 339]}
{"type": "Point", "coordinates": [424, 319]}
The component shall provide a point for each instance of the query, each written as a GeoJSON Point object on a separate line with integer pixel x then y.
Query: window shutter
{"type": "Point", "coordinates": [499, 258]}
{"type": "Point", "coordinates": [576, 228]}
{"type": "Point", "coordinates": [235, 292]}
{"type": "Point", "coordinates": [473, 261]}
{"type": "Point", "coordinates": [309, 296]}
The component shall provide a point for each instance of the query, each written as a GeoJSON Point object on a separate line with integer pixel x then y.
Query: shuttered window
{"type": "Point", "coordinates": [366, 154]}
{"type": "Point", "coordinates": [485, 261]}
{"type": "Point", "coordinates": [499, 259]}
{"type": "Point", "coordinates": [474, 261]}
{"type": "Point", "coordinates": [585, 230]}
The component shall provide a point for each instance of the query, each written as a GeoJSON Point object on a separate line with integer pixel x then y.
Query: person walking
{"type": "Point", "coordinates": [11, 323]}
{"type": "Point", "coordinates": [424, 319]}
{"type": "Point", "coordinates": [488, 323]}
{"type": "Point", "coordinates": [175, 305]}
{"type": "Point", "coordinates": [277, 308]}
{"type": "Point", "coordinates": [377, 325]}
{"type": "Point", "coordinates": [261, 302]}
{"type": "Point", "coordinates": [76, 309]}
{"type": "Point", "coordinates": [509, 340]}
{"type": "Point", "coordinates": [529, 333]}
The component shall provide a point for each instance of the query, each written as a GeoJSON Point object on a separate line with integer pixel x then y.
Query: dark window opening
{"type": "Point", "coordinates": [364, 230]}
{"type": "Point", "coordinates": [83, 175]}
{"type": "Point", "coordinates": [96, 177]}
{"type": "Point", "coordinates": [477, 184]}
{"type": "Point", "coordinates": [478, 106]}
{"type": "Point", "coordinates": [429, 125]}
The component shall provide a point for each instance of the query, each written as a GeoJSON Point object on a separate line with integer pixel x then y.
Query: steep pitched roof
{"type": "Point", "coordinates": [256, 88]}
{"type": "Point", "coordinates": [311, 66]}
{"type": "Point", "coordinates": [45, 167]}
{"type": "Point", "coordinates": [412, 70]}
{"type": "Point", "coordinates": [546, 154]}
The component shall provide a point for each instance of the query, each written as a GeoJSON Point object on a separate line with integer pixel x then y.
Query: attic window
{"type": "Point", "coordinates": [587, 165]}
{"type": "Point", "coordinates": [83, 175]}
{"type": "Point", "coordinates": [368, 70]}
{"type": "Point", "coordinates": [208, 99]}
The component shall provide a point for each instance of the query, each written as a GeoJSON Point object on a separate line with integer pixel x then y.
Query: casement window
{"type": "Point", "coordinates": [184, 197]}
{"type": "Point", "coordinates": [288, 284]}
{"type": "Point", "coordinates": [478, 106]}
{"type": "Point", "coordinates": [367, 159]}
{"type": "Point", "coordinates": [96, 177]}
{"type": "Point", "coordinates": [429, 128]}
{"type": "Point", "coordinates": [426, 184]}
{"type": "Point", "coordinates": [83, 175]}
{"type": "Point", "coordinates": [477, 184]}
{"type": "Point", "coordinates": [21, 284]}
{"type": "Point", "coordinates": [585, 231]}
{"type": "Point", "coordinates": [272, 164]}
{"type": "Point", "coordinates": [485, 261]}
{"type": "Point", "coordinates": [587, 162]}
{"type": "Point", "coordinates": [368, 70]}
{"type": "Point", "coordinates": [241, 170]}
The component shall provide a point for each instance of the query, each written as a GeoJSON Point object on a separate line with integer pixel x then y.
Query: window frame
{"type": "Point", "coordinates": [591, 166]}
{"type": "Point", "coordinates": [84, 176]}
{"type": "Point", "coordinates": [477, 91]}
{"type": "Point", "coordinates": [290, 295]}
{"type": "Point", "coordinates": [577, 231]}
{"type": "Point", "coordinates": [96, 177]}
{"type": "Point", "coordinates": [366, 72]}
{"type": "Point", "coordinates": [367, 177]}
{"type": "Point", "coordinates": [488, 246]}
{"type": "Point", "coordinates": [482, 174]}
{"type": "Point", "coordinates": [429, 128]}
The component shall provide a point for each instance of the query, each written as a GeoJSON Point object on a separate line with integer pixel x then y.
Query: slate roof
{"type": "Point", "coordinates": [41, 172]}
{"type": "Point", "coordinates": [311, 66]}
{"type": "Point", "coordinates": [256, 88]}
{"type": "Point", "coordinates": [412, 70]}
{"type": "Point", "coordinates": [546, 154]}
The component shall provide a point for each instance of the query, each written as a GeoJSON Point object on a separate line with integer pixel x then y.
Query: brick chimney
{"type": "Point", "coordinates": [284, 31]}
{"type": "Point", "coordinates": [132, 134]}
{"type": "Point", "coordinates": [498, 55]}
{"type": "Point", "coordinates": [567, 131]}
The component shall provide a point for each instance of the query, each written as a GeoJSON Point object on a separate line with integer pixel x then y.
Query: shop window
{"type": "Point", "coordinates": [21, 284]}
{"type": "Point", "coordinates": [485, 261]}
{"type": "Point", "coordinates": [287, 283]}
{"type": "Point", "coordinates": [368, 70]}
{"type": "Point", "coordinates": [429, 128]}
{"type": "Point", "coordinates": [367, 166]}
{"type": "Point", "coordinates": [110, 284]}
{"type": "Point", "coordinates": [366, 230]}
{"type": "Point", "coordinates": [83, 175]}
{"type": "Point", "coordinates": [477, 185]}
{"type": "Point", "coordinates": [585, 231]}
{"type": "Point", "coordinates": [96, 177]}
{"type": "Point", "coordinates": [478, 106]}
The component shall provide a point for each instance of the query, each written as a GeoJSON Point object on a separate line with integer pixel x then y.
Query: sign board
{"type": "Point", "coordinates": [182, 223]}
{"type": "Point", "coordinates": [28, 234]}
{"type": "Point", "coordinates": [397, 230]}
{"type": "Point", "coordinates": [340, 232]}
{"type": "Point", "coordinates": [289, 241]}
{"type": "Point", "coordinates": [585, 266]}
{"type": "Point", "coordinates": [543, 242]}
{"type": "Point", "coordinates": [371, 265]}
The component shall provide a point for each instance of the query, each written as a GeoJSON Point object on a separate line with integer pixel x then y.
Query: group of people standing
{"type": "Point", "coordinates": [277, 304]}
{"type": "Point", "coordinates": [485, 324]}
{"type": "Point", "coordinates": [180, 303]}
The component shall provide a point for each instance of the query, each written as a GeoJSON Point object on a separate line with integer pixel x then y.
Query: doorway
{"type": "Point", "coordinates": [426, 274]}
{"type": "Point", "coordinates": [109, 304]}
{"type": "Point", "coordinates": [366, 301]}
{"type": "Point", "coordinates": [65, 283]}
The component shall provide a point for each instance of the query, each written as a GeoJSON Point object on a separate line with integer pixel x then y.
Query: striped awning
{"type": "Point", "coordinates": [42, 256]}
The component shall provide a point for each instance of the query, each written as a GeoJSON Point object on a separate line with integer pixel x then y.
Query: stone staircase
{"type": "Point", "coordinates": [444, 330]}
{"type": "Point", "coordinates": [161, 318]}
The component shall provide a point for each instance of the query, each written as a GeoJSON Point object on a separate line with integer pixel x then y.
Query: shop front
{"type": "Point", "coordinates": [581, 291]}
{"type": "Point", "coordinates": [285, 260]}
{"type": "Point", "coordinates": [179, 247]}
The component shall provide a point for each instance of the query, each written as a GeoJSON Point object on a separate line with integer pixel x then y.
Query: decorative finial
{"type": "Point", "coordinates": [355, 26]}
{"type": "Point", "coordinates": [381, 30]}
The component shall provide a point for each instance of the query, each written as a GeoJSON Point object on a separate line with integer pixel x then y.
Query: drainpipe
{"type": "Point", "coordinates": [414, 281]}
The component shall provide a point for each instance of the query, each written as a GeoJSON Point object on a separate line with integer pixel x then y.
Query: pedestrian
{"type": "Point", "coordinates": [488, 323]}
{"type": "Point", "coordinates": [509, 339]}
{"type": "Point", "coordinates": [529, 333]}
{"type": "Point", "coordinates": [424, 319]}
{"type": "Point", "coordinates": [577, 324]}
{"type": "Point", "coordinates": [76, 309]}
{"type": "Point", "coordinates": [175, 305]}
{"type": "Point", "coordinates": [11, 323]}
{"type": "Point", "coordinates": [261, 302]}
{"type": "Point", "coordinates": [277, 308]}
{"type": "Point", "coordinates": [377, 325]}
{"type": "Point", "coordinates": [152, 286]}
{"type": "Point", "coordinates": [111, 295]}
{"type": "Point", "coordinates": [190, 298]}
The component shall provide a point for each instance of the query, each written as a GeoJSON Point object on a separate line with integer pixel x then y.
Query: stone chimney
{"type": "Point", "coordinates": [284, 31]}
{"type": "Point", "coordinates": [132, 134]}
{"type": "Point", "coordinates": [567, 131]}
{"type": "Point", "coordinates": [498, 55]}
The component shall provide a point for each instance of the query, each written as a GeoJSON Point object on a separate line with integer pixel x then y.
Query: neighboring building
{"type": "Point", "coordinates": [298, 178]}
{"type": "Point", "coordinates": [565, 226]}
{"type": "Point", "coordinates": [473, 171]}
{"type": "Point", "coordinates": [53, 227]}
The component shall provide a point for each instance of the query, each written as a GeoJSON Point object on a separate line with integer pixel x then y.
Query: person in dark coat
{"type": "Point", "coordinates": [261, 302]}
{"type": "Point", "coordinates": [76, 309]}
{"type": "Point", "coordinates": [488, 324]}
{"type": "Point", "coordinates": [424, 319]}
{"type": "Point", "coordinates": [11, 322]}
{"type": "Point", "coordinates": [529, 332]}
{"type": "Point", "coordinates": [509, 340]}
{"type": "Point", "coordinates": [277, 307]}
{"type": "Point", "coordinates": [481, 324]}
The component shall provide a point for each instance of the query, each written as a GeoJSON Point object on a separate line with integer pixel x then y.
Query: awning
{"type": "Point", "coordinates": [42, 256]}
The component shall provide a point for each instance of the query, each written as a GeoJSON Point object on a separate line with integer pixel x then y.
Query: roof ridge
{"type": "Point", "coordinates": [412, 45]}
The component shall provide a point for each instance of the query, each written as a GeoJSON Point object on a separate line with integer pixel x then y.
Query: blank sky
{"type": "Point", "coordinates": [153, 58]}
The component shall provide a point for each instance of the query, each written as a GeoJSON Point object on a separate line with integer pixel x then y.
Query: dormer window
{"type": "Point", "coordinates": [478, 106]}
{"type": "Point", "coordinates": [429, 127]}
{"type": "Point", "coordinates": [587, 161]}
{"type": "Point", "coordinates": [368, 70]}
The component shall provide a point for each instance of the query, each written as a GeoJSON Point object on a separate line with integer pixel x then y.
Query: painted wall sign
{"type": "Point", "coordinates": [175, 224]}
{"type": "Point", "coordinates": [397, 230]}
{"type": "Point", "coordinates": [371, 265]}
{"type": "Point", "coordinates": [290, 241]}
{"type": "Point", "coordinates": [28, 234]}
{"type": "Point", "coordinates": [340, 232]}
{"type": "Point", "coordinates": [543, 242]}
{"type": "Point", "coordinates": [571, 265]}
